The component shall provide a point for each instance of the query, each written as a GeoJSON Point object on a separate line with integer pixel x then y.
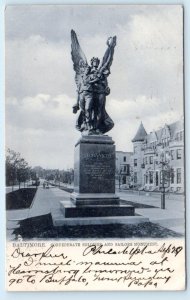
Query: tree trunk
{"type": "Point", "coordinates": [13, 185]}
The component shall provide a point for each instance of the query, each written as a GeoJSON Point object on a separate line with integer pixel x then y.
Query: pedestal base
{"type": "Point", "coordinates": [71, 215]}
{"type": "Point", "coordinates": [94, 199]}
{"type": "Point", "coordinates": [71, 211]}
{"type": "Point", "coordinates": [58, 220]}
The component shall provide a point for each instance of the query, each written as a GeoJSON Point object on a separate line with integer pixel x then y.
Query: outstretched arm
{"type": "Point", "coordinates": [108, 56]}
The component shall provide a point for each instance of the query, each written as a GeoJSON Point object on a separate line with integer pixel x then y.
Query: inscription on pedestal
{"type": "Point", "coordinates": [95, 168]}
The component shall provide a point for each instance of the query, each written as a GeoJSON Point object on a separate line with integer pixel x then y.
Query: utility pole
{"type": "Point", "coordinates": [164, 179]}
{"type": "Point", "coordinates": [163, 190]}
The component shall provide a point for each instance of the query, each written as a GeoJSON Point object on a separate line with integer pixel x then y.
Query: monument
{"type": "Point", "coordinates": [94, 200]}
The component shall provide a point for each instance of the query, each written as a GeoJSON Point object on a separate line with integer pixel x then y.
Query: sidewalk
{"type": "Point", "coordinates": [172, 217]}
{"type": "Point", "coordinates": [47, 200]}
{"type": "Point", "coordinates": [9, 189]}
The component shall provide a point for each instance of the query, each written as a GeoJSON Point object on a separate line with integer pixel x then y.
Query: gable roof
{"type": "Point", "coordinates": [175, 127]}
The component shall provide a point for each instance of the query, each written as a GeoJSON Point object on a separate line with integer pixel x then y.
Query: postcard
{"type": "Point", "coordinates": [95, 193]}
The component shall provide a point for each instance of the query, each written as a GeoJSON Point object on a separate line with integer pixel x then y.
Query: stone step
{"type": "Point", "coordinates": [94, 199]}
{"type": "Point", "coordinates": [59, 220]}
{"type": "Point", "coordinates": [71, 211]}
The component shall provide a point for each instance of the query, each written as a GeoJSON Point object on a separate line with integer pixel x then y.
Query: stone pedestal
{"type": "Point", "coordinates": [94, 171]}
{"type": "Point", "coordinates": [94, 200]}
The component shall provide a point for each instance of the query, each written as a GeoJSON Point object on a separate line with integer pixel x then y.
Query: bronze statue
{"type": "Point", "coordinates": [92, 88]}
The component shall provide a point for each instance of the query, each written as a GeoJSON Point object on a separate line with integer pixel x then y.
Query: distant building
{"type": "Point", "coordinates": [159, 149]}
{"type": "Point", "coordinates": [123, 162]}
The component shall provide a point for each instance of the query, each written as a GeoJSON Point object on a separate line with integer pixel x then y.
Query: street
{"type": "Point", "coordinates": [47, 200]}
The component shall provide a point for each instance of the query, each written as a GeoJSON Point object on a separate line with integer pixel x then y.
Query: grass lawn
{"type": "Point", "coordinates": [20, 198]}
{"type": "Point", "coordinates": [137, 205]}
{"type": "Point", "coordinates": [42, 228]}
{"type": "Point", "coordinates": [67, 189]}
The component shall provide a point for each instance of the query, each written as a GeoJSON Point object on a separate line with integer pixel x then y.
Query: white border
{"type": "Point", "coordinates": [92, 295]}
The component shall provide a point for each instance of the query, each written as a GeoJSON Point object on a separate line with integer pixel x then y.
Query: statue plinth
{"type": "Point", "coordinates": [94, 171]}
{"type": "Point", "coordinates": [94, 181]}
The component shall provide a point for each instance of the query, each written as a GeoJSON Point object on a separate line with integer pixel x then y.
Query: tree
{"type": "Point", "coordinates": [11, 167]}
{"type": "Point", "coordinates": [17, 169]}
{"type": "Point", "coordinates": [22, 171]}
{"type": "Point", "coordinates": [67, 176]}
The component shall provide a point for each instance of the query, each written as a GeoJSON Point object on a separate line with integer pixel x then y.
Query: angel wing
{"type": "Point", "coordinates": [108, 56]}
{"type": "Point", "coordinates": [78, 57]}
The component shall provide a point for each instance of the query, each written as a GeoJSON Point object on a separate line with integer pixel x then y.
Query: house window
{"type": "Point", "coordinates": [157, 180]}
{"type": "Point", "coordinates": [124, 180]}
{"type": "Point", "coordinates": [135, 177]}
{"type": "Point", "coordinates": [135, 149]}
{"type": "Point", "coordinates": [181, 135]}
{"type": "Point", "coordinates": [178, 175]}
{"type": "Point", "coordinates": [151, 177]}
{"type": "Point", "coordinates": [124, 158]}
{"type": "Point", "coordinates": [125, 168]}
{"type": "Point", "coordinates": [151, 160]}
{"type": "Point", "coordinates": [135, 162]}
{"type": "Point", "coordinates": [172, 154]}
{"type": "Point", "coordinates": [146, 160]}
{"type": "Point", "coordinates": [172, 177]}
{"type": "Point", "coordinates": [179, 152]}
{"type": "Point", "coordinates": [128, 169]}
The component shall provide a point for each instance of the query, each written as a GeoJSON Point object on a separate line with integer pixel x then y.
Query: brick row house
{"type": "Point", "coordinates": [157, 151]}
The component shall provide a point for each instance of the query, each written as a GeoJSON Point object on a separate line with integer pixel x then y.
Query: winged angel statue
{"type": "Point", "coordinates": [92, 88]}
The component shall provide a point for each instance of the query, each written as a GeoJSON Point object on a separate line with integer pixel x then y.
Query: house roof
{"type": "Point", "coordinates": [175, 127]}
{"type": "Point", "coordinates": [140, 135]}
{"type": "Point", "coordinates": [151, 137]}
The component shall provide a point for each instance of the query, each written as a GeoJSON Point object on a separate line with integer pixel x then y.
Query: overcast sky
{"type": "Point", "coordinates": [146, 79]}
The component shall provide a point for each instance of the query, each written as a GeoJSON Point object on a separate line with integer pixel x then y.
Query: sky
{"type": "Point", "coordinates": [146, 79]}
